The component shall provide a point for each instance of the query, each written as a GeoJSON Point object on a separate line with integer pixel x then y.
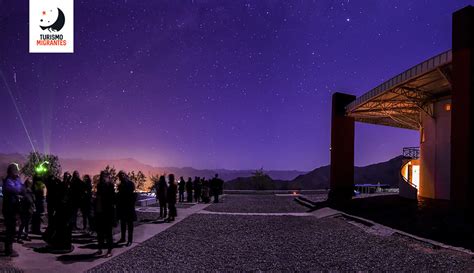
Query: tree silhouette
{"type": "Point", "coordinates": [46, 164]}
{"type": "Point", "coordinates": [262, 181]}
{"type": "Point", "coordinates": [138, 178]}
{"type": "Point", "coordinates": [112, 172]}
{"type": "Point", "coordinates": [154, 178]}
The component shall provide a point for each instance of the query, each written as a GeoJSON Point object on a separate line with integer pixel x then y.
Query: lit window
{"type": "Point", "coordinates": [447, 107]}
{"type": "Point", "coordinates": [422, 135]}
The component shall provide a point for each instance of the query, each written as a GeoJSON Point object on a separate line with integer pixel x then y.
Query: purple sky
{"type": "Point", "coordinates": [212, 84]}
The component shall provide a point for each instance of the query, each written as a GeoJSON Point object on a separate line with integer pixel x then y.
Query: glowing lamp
{"type": "Point", "coordinates": [447, 107]}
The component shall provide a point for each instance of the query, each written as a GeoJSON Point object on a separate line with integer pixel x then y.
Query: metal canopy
{"type": "Point", "coordinates": [400, 101]}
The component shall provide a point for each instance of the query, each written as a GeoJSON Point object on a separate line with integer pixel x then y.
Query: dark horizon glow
{"type": "Point", "coordinates": [212, 84]}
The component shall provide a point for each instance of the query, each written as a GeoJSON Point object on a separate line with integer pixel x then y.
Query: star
{"type": "Point", "coordinates": [190, 69]}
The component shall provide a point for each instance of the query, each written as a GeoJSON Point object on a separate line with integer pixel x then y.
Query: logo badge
{"type": "Point", "coordinates": [51, 26]}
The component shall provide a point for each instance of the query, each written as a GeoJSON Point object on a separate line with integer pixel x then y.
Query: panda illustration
{"type": "Point", "coordinates": [58, 21]}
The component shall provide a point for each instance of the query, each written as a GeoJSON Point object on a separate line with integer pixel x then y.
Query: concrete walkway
{"type": "Point", "coordinates": [82, 259]}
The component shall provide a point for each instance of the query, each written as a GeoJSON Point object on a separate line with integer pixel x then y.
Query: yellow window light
{"type": "Point", "coordinates": [447, 107]}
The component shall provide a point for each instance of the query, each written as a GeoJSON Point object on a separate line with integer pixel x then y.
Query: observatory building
{"type": "Point", "coordinates": [434, 97]}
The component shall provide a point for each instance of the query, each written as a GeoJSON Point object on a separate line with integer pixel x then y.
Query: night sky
{"type": "Point", "coordinates": [212, 84]}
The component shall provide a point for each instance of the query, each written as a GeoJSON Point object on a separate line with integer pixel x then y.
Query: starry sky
{"type": "Point", "coordinates": [211, 83]}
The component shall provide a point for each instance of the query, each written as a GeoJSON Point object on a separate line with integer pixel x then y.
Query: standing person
{"type": "Point", "coordinates": [205, 191]}
{"type": "Point", "coordinates": [38, 188]}
{"type": "Point", "coordinates": [27, 208]}
{"type": "Point", "coordinates": [77, 194]}
{"type": "Point", "coordinates": [217, 185]}
{"type": "Point", "coordinates": [126, 199]}
{"type": "Point", "coordinates": [105, 213]}
{"type": "Point", "coordinates": [12, 190]}
{"type": "Point", "coordinates": [86, 202]}
{"type": "Point", "coordinates": [189, 190]}
{"type": "Point", "coordinates": [171, 198]}
{"type": "Point", "coordinates": [60, 236]}
{"type": "Point", "coordinates": [197, 189]}
{"type": "Point", "coordinates": [162, 193]}
{"type": "Point", "coordinates": [181, 187]}
{"type": "Point", "coordinates": [52, 184]}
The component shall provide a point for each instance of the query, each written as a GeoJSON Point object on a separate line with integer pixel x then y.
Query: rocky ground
{"type": "Point", "coordinates": [278, 243]}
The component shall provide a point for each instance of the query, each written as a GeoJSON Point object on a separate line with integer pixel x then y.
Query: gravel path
{"type": "Point", "coordinates": [257, 203]}
{"type": "Point", "coordinates": [275, 243]}
{"type": "Point", "coordinates": [5, 265]}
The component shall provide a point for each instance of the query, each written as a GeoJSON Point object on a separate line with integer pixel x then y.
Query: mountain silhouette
{"type": "Point", "coordinates": [94, 166]}
{"type": "Point", "coordinates": [384, 173]}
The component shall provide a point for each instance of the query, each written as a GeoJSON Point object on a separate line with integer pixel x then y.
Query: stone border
{"type": "Point", "coordinates": [299, 214]}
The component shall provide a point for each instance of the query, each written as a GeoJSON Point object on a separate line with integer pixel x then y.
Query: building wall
{"type": "Point", "coordinates": [406, 190]}
{"type": "Point", "coordinates": [435, 152]}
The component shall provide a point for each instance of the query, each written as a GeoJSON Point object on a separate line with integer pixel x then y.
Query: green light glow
{"type": "Point", "coordinates": [41, 169]}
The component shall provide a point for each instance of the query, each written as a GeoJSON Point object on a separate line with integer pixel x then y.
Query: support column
{"type": "Point", "coordinates": [462, 115]}
{"type": "Point", "coordinates": [342, 149]}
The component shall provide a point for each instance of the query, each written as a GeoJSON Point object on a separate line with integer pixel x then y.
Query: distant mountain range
{"type": "Point", "coordinates": [94, 166]}
{"type": "Point", "coordinates": [383, 173]}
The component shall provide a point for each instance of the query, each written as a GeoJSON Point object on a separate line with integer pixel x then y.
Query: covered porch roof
{"type": "Point", "coordinates": [399, 101]}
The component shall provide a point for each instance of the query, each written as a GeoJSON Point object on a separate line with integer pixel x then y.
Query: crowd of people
{"type": "Point", "coordinates": [101, 206]}
{"type": "Point", "coordinates": [199, 190]}
{"type": "Point", "coordinates": [100, 209]}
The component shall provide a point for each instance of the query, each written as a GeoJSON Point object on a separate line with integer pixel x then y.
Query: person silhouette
{"type": "Point", "coordinates": [60, 236]}
{"type": "Point", "coordinates": [38, 188]}
{"type": "Point", "coordinates": [11, 190]}
{"type": "Point", "coordinates": [197, 189]}
{"type": "Point", "coordinates": [104, 213]}
{"type": "Point", "coordinates": [181, 188]}
{"type": "Point", "coordinates": [217, 185]}
{"type": "Point", "coordinates": [162, 194]}
{"type": "Point", "coordinates": [86, 203]}
{"type": "Point", "coordinates": [52, 184]}
{"type": "Point", "coordinates": [189, 190]}
{"type": "Point", "coordinates": [171, 198]}
{"type": "Point", "coordinates": [126, 199]}
{"type": "Point", "coordinates": [77, 194]}
{"type": "Point", "coordinates": [27, 207]}
{"type": "Point", "coordinates": [205, 191]}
